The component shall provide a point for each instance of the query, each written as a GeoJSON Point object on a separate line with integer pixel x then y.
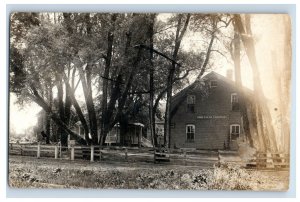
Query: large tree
{"type": "Point", "coordinates": [125, 64]}
{"type": "Point", "coordinates": [266, 134]}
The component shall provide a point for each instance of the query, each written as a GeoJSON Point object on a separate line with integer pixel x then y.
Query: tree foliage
{"type": "Point", "coordinates": [51, 54]}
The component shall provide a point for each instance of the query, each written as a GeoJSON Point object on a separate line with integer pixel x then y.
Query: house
{"type": "Point", "coordinates": [206, 115]}
{"type": "Point", "coordinates": [134, 136]}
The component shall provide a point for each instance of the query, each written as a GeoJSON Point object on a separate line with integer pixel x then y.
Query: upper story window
{"type": "Point", "coordinates": [234, 131]}
{"type": "Point", "coordinates": [190, 132]}
{"type": "Point", "coordinates": [213, 84]}
{"type": "Point", "coordinates": [191, 101]}
{"type": "Point", "coordinates": [235, 102]}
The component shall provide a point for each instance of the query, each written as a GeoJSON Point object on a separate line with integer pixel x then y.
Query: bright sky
{"type": "Point", "coordinates": [268, 32]}
{"type": "Point", "coordinates": [21, 119]}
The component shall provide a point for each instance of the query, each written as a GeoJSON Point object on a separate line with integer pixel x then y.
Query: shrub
{"type": "Point", "coordinates": [229, 177]}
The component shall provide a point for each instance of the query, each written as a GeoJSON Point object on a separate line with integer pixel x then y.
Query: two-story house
{"type": "Point", "coordinates": [206, 115]}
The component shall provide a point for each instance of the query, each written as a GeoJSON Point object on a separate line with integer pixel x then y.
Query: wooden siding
{"type": "Point", "coordinates": [212, 118]}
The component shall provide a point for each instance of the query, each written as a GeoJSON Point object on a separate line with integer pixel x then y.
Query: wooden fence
{"type": "Point", "coordinates": [272, 161]}
{"type": "Point", "coordinates": [117, 154]}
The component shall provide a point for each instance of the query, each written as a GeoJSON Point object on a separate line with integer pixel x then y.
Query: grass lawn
{"type": "Point", "coordinates": [29, 172]}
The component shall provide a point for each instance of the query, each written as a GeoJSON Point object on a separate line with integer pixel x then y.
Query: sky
{"type": "Point", "coordinates": [268, 34]}
{"type": "Point", "coordinates": [22, 118]}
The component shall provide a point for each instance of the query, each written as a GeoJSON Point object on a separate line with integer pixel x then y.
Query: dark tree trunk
{"type": "Point", "coordinates": [238, 80]}
{"type": "Point", "coordinates": [91, 106]}
{"type": "Point", "coordinates": [78, 111]}
{"type": "Point", "coordinates": [41, 102]}
{"type": "Point", "coordinates": [68, 102]}
{"type": "Point", "coordinates": [151, 83]}
{"type": "Point", "coordinates": [121, 97]}
{"type": "Point", "coordinates": [60, 93]}
{"type": "Point", "coordinates": [87, 88]}
{"type": "Point", "coordinates": [207, 56]}
{"type": "Point", "coordinates": [53, 135]}
{"type": "Point", "coordinates": [110, 110]}
{"type": "Point", "coordinates": [178, 39]}
{"type": "Point", "coordinates": [87, 91]}
{"type": "Point", "coordinates": [168, 105]}
{"type": "Point", "coordinates": [263, 112]}
{"type": "Point", "coordinates": [49, 98]}
{"type": "Point", "coordinates": [116, 94]}
{"type": "Point", "coordinates": [237, 56]}
{"type": "Point", "coordinates": [110, 40]}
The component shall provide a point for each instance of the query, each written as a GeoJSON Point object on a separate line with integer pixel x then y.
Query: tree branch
{"type": "Point", "coordinates": [41, 102]}
{"type": "Point", "coordinates": [157, 52]}
{"type": "Point", "coordinates": [219, 53]}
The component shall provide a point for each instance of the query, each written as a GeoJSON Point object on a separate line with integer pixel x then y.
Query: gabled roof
{"type": "Point", "coordinates": [179, 98]}
{"type": "Point", "coordinates": [210, 76]}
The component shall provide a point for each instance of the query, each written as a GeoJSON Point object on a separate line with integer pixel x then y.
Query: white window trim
{"type": "Point", "coordinates": [186, 130]}
{"type": "Point", "coordinates": [231, 130]}
{"type": "Point", "coordinates": [232, 94]}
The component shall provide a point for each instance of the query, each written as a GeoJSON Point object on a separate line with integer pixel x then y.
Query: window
{"type": "Point", "coordinates": [213, 83]}
{"type": "Point", "coordinates": [234, 102]}
{"type": "Point", "coordinates": [234, 132]}
{"type": "Point", "coordinates": [190, 133]}
{"type": "Point", "coordinates": [191, 100]}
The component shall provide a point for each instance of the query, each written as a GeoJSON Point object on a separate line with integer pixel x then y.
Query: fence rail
{"type": "Point", "coordinates": [277, 161]}
{"type": "Point", "coordinates": [149, 154]}
{"type": "Point", "coordinates": [115, 153]}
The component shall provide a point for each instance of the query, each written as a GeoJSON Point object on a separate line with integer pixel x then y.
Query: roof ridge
{"type": "Point", "coordinates": [219, 76]}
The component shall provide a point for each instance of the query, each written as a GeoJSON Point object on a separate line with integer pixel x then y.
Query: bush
{"type": "Point", "coordinates": [229, 177]}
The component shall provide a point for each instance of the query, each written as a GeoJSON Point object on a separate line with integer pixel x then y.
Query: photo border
{"type": "Point", "coordinates": [207, 8]}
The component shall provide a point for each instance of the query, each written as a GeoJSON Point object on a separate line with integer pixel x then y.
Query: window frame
{"type": "Point", "coordinates": [186, 132]}
{"type": "Point", "coordinates": [231, 131]}
{"type": "Point", "coordinates": [192, 104]}
{"type": "Point", "coordinates": [216, 83]}
{"type": "Point", "coordinates": [237, 97]}
{"type": "Point", "coordinates": [234, 101]}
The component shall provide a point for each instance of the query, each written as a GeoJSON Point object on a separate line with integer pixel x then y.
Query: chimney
{"type": "Point", "coordinates": [229, 74]}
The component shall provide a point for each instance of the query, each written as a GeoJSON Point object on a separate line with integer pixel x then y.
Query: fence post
{"type": "Point", "coordinates": [55, 152]}
{"type": "Point", "coordinates": [21, 149]}
{"type": "Point", "coordinates": [126, 155]}
{"type": "Point", "coordinates": [219, 158]}
{"type": "Point", "coordinates": [38, 155]}
{"type": "Point", "coordinates": [184, 154]}
{"type": "Point", "coordinates": [72, 153]}
{"type": "Point", "coordinates": [269, 161]}
{"type": "Point", "coordinates": [100, 154]}
{"type": "Point", "coordinates": [60, 153]}
{"type": "Point", "coordinates": [92, 153]}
